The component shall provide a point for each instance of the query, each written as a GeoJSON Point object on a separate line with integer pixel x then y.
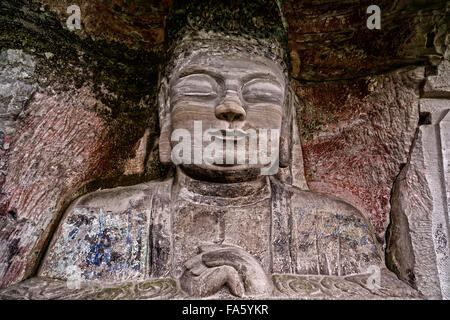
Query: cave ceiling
{"type": "Point", "coordinates": [329, 40]}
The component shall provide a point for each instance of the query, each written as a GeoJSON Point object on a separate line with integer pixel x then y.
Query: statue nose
{"type": "Point", "coordinates": [230, 110]}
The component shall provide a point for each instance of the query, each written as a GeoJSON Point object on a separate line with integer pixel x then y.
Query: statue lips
{"type": "Point", "coordinates": [229, 134]}
{"type": "Point", "coordinates": [233, 135]}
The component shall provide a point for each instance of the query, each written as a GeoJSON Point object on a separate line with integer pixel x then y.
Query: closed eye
{"type": "Point", "coordinates": [200, 94]}
{"type": "Point", "coordinates": [195, 85]}
{"type": "Point", "coordinates": [262, 90]}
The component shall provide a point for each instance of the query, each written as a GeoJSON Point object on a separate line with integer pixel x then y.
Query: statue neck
{"type": "Point", "coordinates": [220, 194]}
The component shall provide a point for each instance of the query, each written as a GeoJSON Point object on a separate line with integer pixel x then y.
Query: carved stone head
{"type": "Point", "coordinates": [227, 90]}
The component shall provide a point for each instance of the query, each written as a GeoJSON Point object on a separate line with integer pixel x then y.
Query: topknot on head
{"type": "Point", "coordinates": [254, 26]}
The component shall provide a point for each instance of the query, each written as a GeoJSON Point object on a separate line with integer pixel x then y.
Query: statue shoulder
{"type": "Point", "coordinates": [119, 199]}
{"type": "Point", "coordinates": [315, 202]}
{"type": "Point", "coordinates": [331, 236]}
{"type": "Point", "coordinates": [105, 235]}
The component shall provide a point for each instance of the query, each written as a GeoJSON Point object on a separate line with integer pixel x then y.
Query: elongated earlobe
{"type": "Point", "coordinates": [291, 154]}
{"type": "Point", "coordinates": [164, 144]}
{"type": "Point", "coordinates": [286, 131]}
{"type": "Point", "coordinates": [164, 123]}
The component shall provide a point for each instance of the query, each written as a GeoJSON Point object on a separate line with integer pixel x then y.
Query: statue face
{"type": "Point", "coordinates": [227, 102]}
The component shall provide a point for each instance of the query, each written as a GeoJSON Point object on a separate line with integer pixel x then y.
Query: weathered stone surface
{"type": "Point", "coordinates": [44, 289]}
{"type": "Point", "coordinates": [61, 146]}
{"type": "Point", "coordinates": [434, 110]}
{"type": "Point", "coordinates": [332, 41]}
{"type": "Point", "coordinates": [444, 128]}
{"type": "Point", "coordinates": [344, 288]}
{"type": "Point", "coordinates": [100, 238]}
{"type": "Point", "coordinates": [57, 141]}
{"type": "Point", "coordinates": [65, 126]}
{"type": "Point", "coordinates": [364, 134]}
{"type": "Point", "coordinates": [438, 86]}
{"type": "Point", "coordinates": [441, 233]}
{"type": "Point", "coordinates": [357, 135]}
{"type": "Point", "coordinates": [17, 68]}
{"type": "Point", "coordinates": [418, 245]}
{"type": "Point", "coordinates": [410, 244]}
{"type": "Point", "coordinates": [287, 287]}
{"type": "Point", "coordinates": [329, 39]}
{"type": "Point", "coordinates": [330, 230]}
{"type": "Point", "coordinates": [106, 236]}
{"type": "Point", "coordinates": [136, 23]}
{"type": "Point", "coordinates": [136, 165]}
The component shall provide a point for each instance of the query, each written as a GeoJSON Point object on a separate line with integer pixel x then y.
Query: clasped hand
{"type": "Point", "coordinates": [223, 265]}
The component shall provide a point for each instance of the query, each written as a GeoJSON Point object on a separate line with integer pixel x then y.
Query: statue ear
{"type": "Point", "coordinates": [291, 154]}
{"type": "Point", "coordinates": [164, 123]}
{"type": "Point", "coordinates": [286, 131]}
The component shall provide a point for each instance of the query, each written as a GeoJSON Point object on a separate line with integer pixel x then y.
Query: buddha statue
{"type": "Point", "coordinates": [218, 223]}
{"type": "Point", "coordinates": [215, 224]}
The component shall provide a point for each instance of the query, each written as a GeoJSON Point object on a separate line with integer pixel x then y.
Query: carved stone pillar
{"type": "Point", "coordinates": [418, 237]}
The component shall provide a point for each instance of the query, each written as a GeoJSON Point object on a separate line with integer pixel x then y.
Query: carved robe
{"type": "Point", "coordinates": [149, 230]}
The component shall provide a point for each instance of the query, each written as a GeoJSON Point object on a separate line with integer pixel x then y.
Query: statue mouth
{"type": "Point", "coordinates": [229, 134]}
{"type": "Point", "coordinates": [226, 165]}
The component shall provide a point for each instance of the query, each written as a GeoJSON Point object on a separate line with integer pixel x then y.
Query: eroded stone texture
{"type": "Point", "coordinates": [330, 40]}
{"type": "Point", "coordinates": [106, 236]}
{"type": "Point", "coordinates": [43, 131]}
{"type": "Point", "coordinates": [356, 136]}
{"type": "Point", "coordinates": [376, 126]}
{"type": "Point", "coordinates": [343, 288]}
{"type": "Point", "coordinates": [438, 86]}
{"type": "Point", "coordinates": [65, 126]}
{"type": "Point", "coordinates": [16, 88]}
{"type": "Point", "coordinates": [286, 287]}
{"type": "Point", "coordinates": [444, 128]}
{"type": "Point", "coordinates": [418, 248]}
{"type": "Point", "coordinates": [136, 23]}
{"type": "Point", "coordinates": [410, 243]}
{"type": "Point", "coordinates": [61, 144]}
{"type": "Point", "coordinates": [44, 288]}
{"type": "Point", "coordinates": [17, 69]}
{"type": "Point", "coordinates": [326, 236]}
{"type": "Point", "coordinates": [136, 165]}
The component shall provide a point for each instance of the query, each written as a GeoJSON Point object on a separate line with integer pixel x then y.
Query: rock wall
{"type": "Point", "coordinates": [75, 107]}
{"type": "Point", "coordinates": [73, 116]}
{"type": "Point", "coordinates": [418, 237]}
{"type": "Point", "coordinates": [365, 130]}
{"type": "Point", "coordinates": [360, 93]}
{"type": "Point", "coordinates": [54, 145]}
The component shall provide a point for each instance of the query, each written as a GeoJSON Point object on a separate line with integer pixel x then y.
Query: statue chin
{"type": "Point", "coordinates": [222, 173]}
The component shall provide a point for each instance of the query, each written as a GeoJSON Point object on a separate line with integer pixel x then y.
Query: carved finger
{"type": "Point", "coordinates": [211, 281]}
{"type": "Point", "coordinates": [220, 276]}
{"type": "Point", "coordinates": [210, 247]}
{"type": "Point", "coordinates": [195, 265]}
{"type": "Point", "coordinates": [228, 256]}
{"type": "Point", "coordinates": [192, 262]}
{"type": "Point", "coordinates": [198, 269]}
{"type": "Point", "coordinates": [255, 279]}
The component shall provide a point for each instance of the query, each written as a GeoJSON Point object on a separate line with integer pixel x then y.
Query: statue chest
{"type": "Point", "coordinates": [246, 226]}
